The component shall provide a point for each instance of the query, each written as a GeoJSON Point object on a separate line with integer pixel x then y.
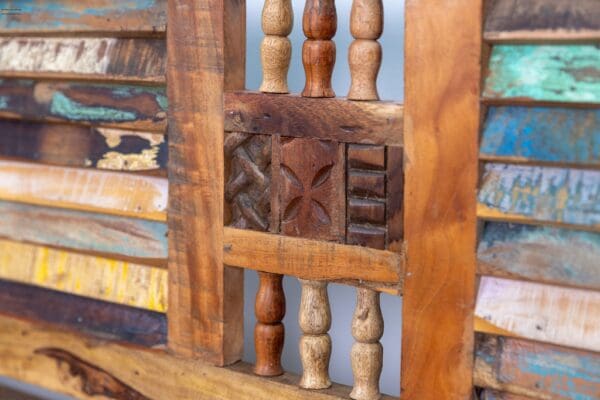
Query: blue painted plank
{"type": "Point", "coordinates": [552, 135]}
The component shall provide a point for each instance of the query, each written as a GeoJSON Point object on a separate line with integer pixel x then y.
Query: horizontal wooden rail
{"type": "Point", "coordinates": [489, 394]}
{"type": "Point", "coordinates": [334, 119]}
{"type": "Point", "coordinates": [312, 259]}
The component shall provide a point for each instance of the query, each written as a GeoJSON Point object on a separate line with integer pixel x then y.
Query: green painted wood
{"type": "Point", "coordinates": [121, 106]}
{"type": "Point", "coordinates": [547, 73]}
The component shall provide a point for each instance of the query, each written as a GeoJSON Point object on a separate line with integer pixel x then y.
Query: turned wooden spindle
{"type": "Point", "coordinates": [276, 48]}
{"type": "Point", "coordinates": [367, 352]}
{"type": "Point", "coordinates": [269, 332]}
{"type": "Point", "coordinates": [315, 343]}
{"type": "Point", "coordinates": [318, 53]}
{"type": "Point", "coordinates": [364, 56]}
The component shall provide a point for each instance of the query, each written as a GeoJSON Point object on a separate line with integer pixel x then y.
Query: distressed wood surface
{"type": "Point", "coordinates": [537, 370]}
{"type": "Point", "coordinates": [84, 189]}
{"type": "Point", "coordinates": [395, 198]}
{"type": "Point", "coordinates": [127, 18]}
{"type": "Point", "coordinates": [442, 74]}
{"type": "Point", "coordinates": [206, 56]}
{"type": "Point", "coordinates": [276, 48]}
{"type": "Point", "coordinates": [488, 394]}
{"type": "Point", "coordinates": [110, 280]}
{"type": "Point", "coordinates": [519, 193]}
{"type": "Point", "coordinates": [546, 73]}
{"type": "Point", "coordinates": [81, 146]}
{"type": "Point", "coordinates": [119, 106]}
{"type": "Point", "coordinates": [551, 314]}
{"type": "Point", "coordinates": [135, 60]}
{"type": "Point", "coordinates": [87, 368]}
{"type": "Point", "coordinates": [541, 254]}
{"type": "Point", "coordinates": [327, 119]}
{"type": "Point", "coordinates": [99, 318]}
{"type": "Point", "coordinates": [121, 238]}
{"type": "Point", "coordinates": [542, 20]}
{"type": "Point", "coordinates": [538, 134]}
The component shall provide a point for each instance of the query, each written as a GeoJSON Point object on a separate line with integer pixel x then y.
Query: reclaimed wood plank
{"type": "Point", "coordinates": [119, 106]}
{"type": "Point", "coordinates": [562, 196]}
{"type": "Point", "coordinates": [206, 56]}
{"type": "Point", "coordinates": [542, 20]}
{"type": "Point", "coordinates": [86, 368]}
{"type": "Point", "coordinates": [541, 254]}
{"type": "Point", "coordinates": [102, 319]}
{"type": "Point", "coordinates": [81, 146]}
{"type": "Point", "coordinates": [334, 119]}
{"type": "Point", "coordinates": [537, 370]}
{"type": "Point", "coordinates": [124, 238]}
{"type": "Point", "coordinates": [544, 73]}
{"type": "Point", "coordinates": [540, 134]}
{"type": "Point", "coordinates": [91, 190]}
{"type": "Point", "coordinates": [125, 18]}
{"type": "Point", "coordinates": [132, 60]}
{"type": "Point", "coordinates": [110, 280]}
{"type": "Point", "coordinates": [440, 179]}
{"type": "Point", "coordinates": [551, 314]}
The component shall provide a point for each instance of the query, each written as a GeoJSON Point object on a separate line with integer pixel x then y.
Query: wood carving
{"type": "Point", "coordinates": [364, 56]}
{"type": "Point", "coordinates": [247, 190]}
{"type": "Point", "coordinates": [318, 53]}
{"type": "Point", "coordinates": [269, 332]}
{"type": "Point", "coordinates": [276, 48]}
{"type": "Point", "coordinates": [315, 344]}
{"type": "Point", "coordinates": [367, 352]}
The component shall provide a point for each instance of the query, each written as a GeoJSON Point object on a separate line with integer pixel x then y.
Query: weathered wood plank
{"type": "Point", "coordinates": [99, 318]}
{"type": "Point", "coordinates": [546, 73]}
{"type": "Point", "coordinates": [87, 368]}
{"type": "Point", "coordinates": [125, 18]}
{"type": "Point", "coordinates": [81, 146]}
{"type": "Point", "coordinates": [552, 314]}
{"type": "Point", "coordinates": [114, 193]}
{"type": "Point", "coordinates": [442, 74]}
{"type": "Point", "coordinates": [135, 60]}
{"type": "Point", "coordinates": [327, 119]}
{"type": "Point", "coordinates": [542, 20]}
{"type": "Point", "coordinates": [110, 280]}
{"type": "Point", "coordinates": [537, 134]}
{"type": "Point", "coordinates": [540, 254]}
{"type": "Point", "coordinates": [520, 193]}
{"type": "Point", "coordinates": [122, 238]}
{"type": "Point", "coordinates": [120, 106]}
{"type": "Point", "coordinates": [537, 370]}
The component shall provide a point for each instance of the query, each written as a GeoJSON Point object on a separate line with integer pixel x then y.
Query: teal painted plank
{"type": "Point", "coordinates": [539, 134]}
{"type": "Point", "coordinates": [115, 237]}
{"type": "Point", "coordinates": [541, 254]}
{"type": "Point", "coordinates": [541, 370]}
{"type": "Point", "coordinates": [549, 73]}
{"type": "Point", "coordinates": [544, 194]}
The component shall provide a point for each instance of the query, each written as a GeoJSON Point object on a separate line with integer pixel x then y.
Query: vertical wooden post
{"type": "Point", "coordinates": [276, 48]}
{"type": "Point", "coordinates": [441, 114]}
{"type": "Point", "coordinates": [206, 47]}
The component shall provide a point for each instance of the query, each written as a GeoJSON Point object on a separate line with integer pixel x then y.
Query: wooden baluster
{"type": "Point", "coordinates": [364, 56]}
{"type": "Point", "coordinates": [318, 53]}
{"type": "Point", "coordinates": [367, 352]}
{"type": "Point", "coordinates": [276, 48]}
{"type": "Point", "coordinates": [315, 343]}
{"type": "Point", "coordinates": [269, 331]}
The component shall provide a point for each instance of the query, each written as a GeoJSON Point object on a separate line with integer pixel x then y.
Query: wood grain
{"type": "Point", "coordinates": [95, 277]}
{"type": "Point", "coordinates": [538, 370]}
{"type": "Point", "coordinates": [276, 48]}
{"type": "Point", "coordinates": [84, 189]}
{"type": "Point", "coordinates": [327, 119]}
{"type": "Point", "coordinates": [542, 254]}
{"type": "Point", "coordinates": [81, 146]}
{"type": "Point", "coordinates": [442, 73]}
{"type": "Point", "coordinates": [119, 106]}
{"type": "Point", "coordinates": [551, 314]}
{"type": "Point", "coordinates": [205, 58]}
{"type": "Point", "coordinates": [133, 60]}
{"type": "Point", "coordinates": [105, 320]}
{"type": "Point", "coordinates": [269, 332]}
